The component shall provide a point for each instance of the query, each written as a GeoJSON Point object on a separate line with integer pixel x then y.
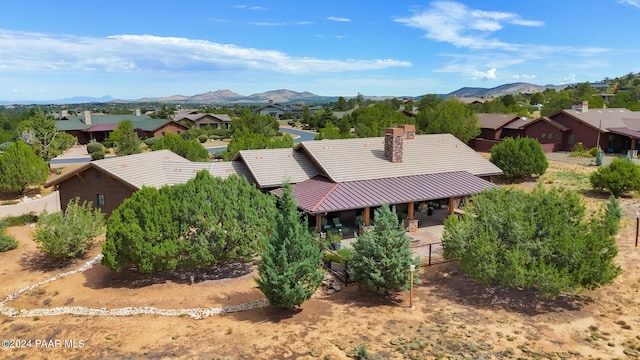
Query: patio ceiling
{"type": "Point", "coordinates": [319, 195]}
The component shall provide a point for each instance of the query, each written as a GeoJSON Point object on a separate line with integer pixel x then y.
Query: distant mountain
{"type": "Point", "coordinates": [71, 100]}
{"type": "Point", "coordinates": [506, 89]}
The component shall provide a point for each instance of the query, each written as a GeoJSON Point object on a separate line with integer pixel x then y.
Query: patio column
{"type": "Point", "coordinates": [318, 222]}
{"type": "Point", "coordinates": [633, 143]}
{"type": "Point", "coordinates": [366, 215]}
{"type": "Point", "coordinates": [452, 204]}
{"type": "Point", "coordinates": [410, 211]}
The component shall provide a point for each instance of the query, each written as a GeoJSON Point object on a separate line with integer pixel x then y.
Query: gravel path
{"type": "Point", "coordinates": [194, 313]}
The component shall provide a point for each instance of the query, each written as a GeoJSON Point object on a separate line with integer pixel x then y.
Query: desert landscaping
{"type": "Point", "coordinates": [81, 310]}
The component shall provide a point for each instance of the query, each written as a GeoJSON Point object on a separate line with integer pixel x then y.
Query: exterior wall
{"type": "Point", "coordinates": [489, 134]}
{"type": "Point", "coordinates": [88, 185]}
{"type": "Point", "coordinates": [551, 138]}
{"type": "Point", "coordinates": [483, 145]}
{"type": "Point", "coordinates": [512, 133]}
{"type": "Point", "coordinates": [169, 128]}
{"type": "Point", "coordinates": [211, 121]}
{"type": "Point", "coordinates": [583, 133]}
{"type": "Point", "coordinates": [83, 137]}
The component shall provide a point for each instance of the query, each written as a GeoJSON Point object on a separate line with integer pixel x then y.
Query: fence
{"type": "Point", "coordinates": [428, 255]}
{"type": "Point", "coordinates": [50, 202]}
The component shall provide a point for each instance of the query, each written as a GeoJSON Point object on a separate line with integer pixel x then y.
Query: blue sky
{"type": "Point", "coordinates": [137, 48]}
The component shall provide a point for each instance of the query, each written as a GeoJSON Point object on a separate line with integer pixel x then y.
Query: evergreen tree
{"type": "Point", "coordinates": [519, 157]}
{"type": "Point", "coordinates": [125, 138]}
{"type": "Point", "coordinates": [188, 149]}
{"type": "Point", "coordinates": [382, 257]}
{"type": "Point", "coordinates": [619, 177]}
{"type": "Point", "coordinates": [21, 167]}
{"type": "Point", "coordinates": [539, 240]}
{"type": "Point", "coordinates": [290, 261]}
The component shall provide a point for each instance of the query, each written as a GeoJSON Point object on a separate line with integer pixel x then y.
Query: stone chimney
{"type": "Point", "coordinates": [137, 112]}
{"type": "Point", "coordinates": [86, 117]}
{"type": "Point", "coordinates": [393, 139]}
{"type": "Point", "coordinates": [270, 102]}
{"type": "Point", "coordinates": [409, 131]}
{"type": "Point", "coordinates": [64, 113]}
{"type": "Point", "coordinates": [582, 107]}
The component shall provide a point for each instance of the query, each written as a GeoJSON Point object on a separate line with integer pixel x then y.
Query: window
{"type": "Point", "coordinates": [557, 136]}
{"type": "Point", "coordinates": [544, 135]}
{"type": "Point", "coordinates": [572, 138]}
{"type": "Point", "coordinates": [100, 200]}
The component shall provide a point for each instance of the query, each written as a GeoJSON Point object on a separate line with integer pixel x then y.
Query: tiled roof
{"type": "Point", "coordinates": [181, 172]}
{"type": "Point", "coordinates": [196, 117]}
{"type": "Point", "coordinates": [272, 167]}
{"type": "Point", "coordinates": [145, 169]}
{"type": "Point", "coordinates": [363, 159]}
{"type": "Point", "coordinates": [495, 121]}
{"type": "Point", "coordinates": [318, 195]}
{"type": "Point", "coordinates": [547, 120]}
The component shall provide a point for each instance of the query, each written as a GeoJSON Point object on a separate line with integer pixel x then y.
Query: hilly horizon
{"type": "Point", "coordinates": [284, 96]}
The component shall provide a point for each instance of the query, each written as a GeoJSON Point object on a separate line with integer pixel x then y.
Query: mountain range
{"type": "Point", "coordinates": [284, 96]}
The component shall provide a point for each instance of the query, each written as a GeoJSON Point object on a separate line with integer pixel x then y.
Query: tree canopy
{"type": "Point", "coordinates": [188, 149]}
{"type": "Point", "coordinates": [519, 157]}
{"type": "Point", "coordinates": [290, 260]}
{"type": "Point", "coordinates": [382, 257]}
{"type": "Point", "coordinates": [540, 240]}
{"type": "Point", "coordinates": [449, 116]}
{"type": "Point", "coordinates": [619, 177]}
{"type": "Point", "coordinates": [206, 221]}
{"type": "Point", "coordinates": [41, 133]}
{"type": "Point", "coordinates": [21, 167]}
{"type": "Point", "coordinates": [125, 139]}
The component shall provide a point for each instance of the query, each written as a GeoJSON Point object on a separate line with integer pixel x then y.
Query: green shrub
{"type": "Point", "coordinates": [97, 155]}
{"type": "Point", "coordinates": [7, 242]}
{"type": "Point", "coordinates": [150, 141]}
{"type": "Point", "coordinates": [203, 138]}
{"type": "Point", "coordinates": [20, 220]}
{"type": "Point", "coordinates": [593, 151]}
{"type": "Point", "coordinates": [619, 177]}
{"type": "Point", "coordinates": [69, 234]}
{"type": "Point", "coordinates": [94, 146]}
{"type": "Point", "coordinates": [578, 150]}
{"type": "Point", "coordinates": [5, 145]}
{"type": "Point", "coordinates": [519, 157]}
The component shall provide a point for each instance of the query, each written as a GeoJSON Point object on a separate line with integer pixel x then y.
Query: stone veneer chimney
{"type": "Point", "coordinates": [582, 107]}
{"type": "Point", "coordinates": [86, 117]}
{"type": "Point", "coordinates": [138, 112]}
{"type": "Point", "coordinates": [409, 131]}
{"type": "Point", "coordinates": [393, 139]}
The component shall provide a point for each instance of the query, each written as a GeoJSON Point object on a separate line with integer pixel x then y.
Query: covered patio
{"type": "Point", "coordinates": [349, 207]}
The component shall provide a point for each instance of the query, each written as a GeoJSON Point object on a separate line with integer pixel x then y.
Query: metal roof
{"type": "Point", "coordinates": [142, 122]}
{"type": "Point", "coordinates": [363, 158]}
{"type": "Point", "coordinates": [272, 167]}
{"type": "Point", "coordinates": [319, 195]}
{"type": "Point", "coordinates": [607, 118]}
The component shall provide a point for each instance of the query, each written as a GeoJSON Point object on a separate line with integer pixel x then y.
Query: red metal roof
{"type": "Point", "coordinates": [626, 132]}
{"type": "Point", "coordinates": [102, 127]}
{"type": "Point", "coordinates": [319, 195]}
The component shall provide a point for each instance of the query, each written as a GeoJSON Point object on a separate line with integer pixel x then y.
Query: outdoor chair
{"type": "Point", "coordinates": [337, 223]}
{"type": "Point", "coordinates": [325, 225]}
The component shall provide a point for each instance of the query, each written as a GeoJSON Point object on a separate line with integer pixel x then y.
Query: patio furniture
{"type": "Point", "coordinates": [337, 223]}
{"type": "Point", "coordinates": [325, 224]}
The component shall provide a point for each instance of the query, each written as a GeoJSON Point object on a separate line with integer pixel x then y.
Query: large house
{"type": "Point", "coordinates": [331, 179]}
{"type": "Point", "coordinates": [90, 127]}
{"type": "Point", "coordinates": [614, 130]}
{"type": "Point", "coordinates": [194, 118]}
{"type": "Point", "coordinates": [278, 111]}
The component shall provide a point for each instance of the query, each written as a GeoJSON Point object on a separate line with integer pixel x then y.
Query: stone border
{"type": "Point", "coordinates": [194, 313]}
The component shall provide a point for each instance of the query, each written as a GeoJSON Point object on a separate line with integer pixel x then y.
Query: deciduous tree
{"type": "Point", "coordinates": [290, 265]}
{"type": "Point", "coordinates": [69, 234]}
{"type": "Point", "coordinates": [449, 116]}
{"type": "Point", "coordinates": [125, 139]}
{"type": "Point", "coordinates": [41, 133]}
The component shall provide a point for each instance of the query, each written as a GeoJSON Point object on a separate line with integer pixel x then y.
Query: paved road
{"type": "Point", "coordinates": [301, 136]}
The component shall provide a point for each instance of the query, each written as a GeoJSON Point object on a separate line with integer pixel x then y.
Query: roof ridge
{"type": "Point", "coordinates": [335, 185]}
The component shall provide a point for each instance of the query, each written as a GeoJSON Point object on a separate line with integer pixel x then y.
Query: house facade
{"type": "Point", "coordinates": [90, 127]}
{"type": "Point", "coordinates": [200, 120]}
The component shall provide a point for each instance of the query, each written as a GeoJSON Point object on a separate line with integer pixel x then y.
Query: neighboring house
{"type": "Point", "coordinates": [93, 127]}
{"type": "Point", "coordinates": [615, 130]}
{"type": "Point", "coordinates": [343, 179]}
{"type": "Point", "coordinates": [278, 111]}
{"type": "Point", "coordinates": [199, 120]}
{"type": "Point", "coordinates": [470, 100]}
{"type": "Point", "coordinates": [106, 183]}
{"type": "Point", "coordinates": [495, 127]}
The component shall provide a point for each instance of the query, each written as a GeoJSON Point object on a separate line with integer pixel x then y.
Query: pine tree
{"type": "Point", "coordinates": [290, 265]}
{"type": "Point", "coordinates": [21, 167]}
{"type": "Point", "coordinates": [382, 257]}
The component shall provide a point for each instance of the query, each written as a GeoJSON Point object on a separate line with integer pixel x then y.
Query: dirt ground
{"type": "Point", "coordinates": [451, 318]}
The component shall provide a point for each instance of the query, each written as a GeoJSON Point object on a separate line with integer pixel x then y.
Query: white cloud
{"type": "Point", "coordinates": [456, 23]}
{"type": "Point", "coordinates": [249, 7]}
{"type": "Point", "coordinates": [339, 19]}
{"type": "Point", "coordinates": [486, 75]}
{"type": "Point", "coordinates": [26, 51]}
{"type": "Point", "coordinates": [569, 79]}
{"type": "Point", "coordinates": [524, 76]}
{"type": "Point", "coordinates": [635, 3]}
